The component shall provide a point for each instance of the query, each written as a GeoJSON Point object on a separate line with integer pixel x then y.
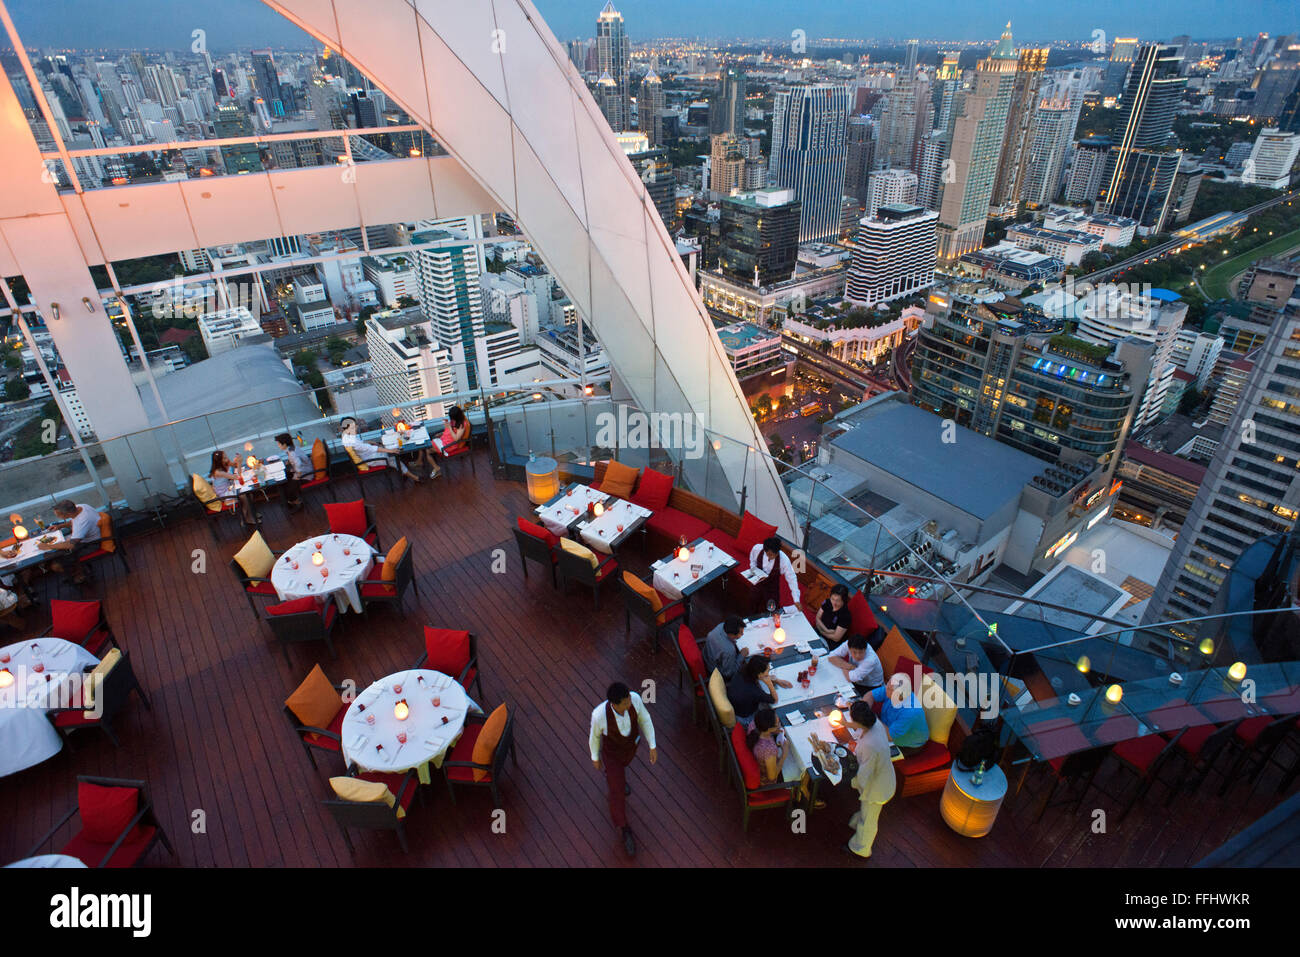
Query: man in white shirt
{"type": "Point", "coordinates": [874, 782]}
{"type": "Point", "coordinates": [617, 725]}
{"type": "Point", "coordinates": [82, 525]}
{"type": "Point", "coordinates": [763, 558]}
{"type": "Point", "coordinates": [857, 659]}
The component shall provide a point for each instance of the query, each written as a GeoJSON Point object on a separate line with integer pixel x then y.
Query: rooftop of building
{"type": "Point", "coordinates": [743, 335]}
{"type": "Point", "coordinates": [1175, 465]}
{"type": "Point", "coordinates": [975, 474]}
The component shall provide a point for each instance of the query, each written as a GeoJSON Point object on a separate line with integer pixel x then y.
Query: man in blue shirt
{"type": "Point", "coordinates": [902, 713]}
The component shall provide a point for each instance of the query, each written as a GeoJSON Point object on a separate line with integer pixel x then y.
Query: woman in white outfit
{"type": "Point", "coordinates": [367, 452]}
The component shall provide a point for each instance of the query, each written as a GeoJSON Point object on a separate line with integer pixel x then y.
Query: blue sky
{"type": "Point", "coordinates": [245, 23]}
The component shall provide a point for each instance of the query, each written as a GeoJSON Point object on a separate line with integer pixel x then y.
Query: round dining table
{"type": "Point", "coordinates": [371, 726]}
{"type": "Point", "coordinates": [49, 860]}
{"type": "Point", "coordinates": [26, 735]}
{"type": "Point", "coordinates": [346, 558]}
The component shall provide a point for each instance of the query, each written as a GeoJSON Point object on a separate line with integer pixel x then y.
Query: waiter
{"type": "Point", "coordinates": [617, 726]}
{"type": "Point", "coordinates": [774, 565]}
{"type": "Point", "coordinates": [874, 781]}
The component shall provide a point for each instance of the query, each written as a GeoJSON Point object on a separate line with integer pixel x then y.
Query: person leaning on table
{"type": "Point", "coordinates": [833, 619]}
{"type": "Point", "coordinates": [754, 685]}
{"type": "Point", "coordinates": [82, 524]}
{"type": "Point", "coordinates": [902, 714]}
{"type": "Point", "coordinates": [874, 781]}
{"type": "Point", "coordinates": [720, 647]}
{"type": "Point", "coordinates": [859, 662]}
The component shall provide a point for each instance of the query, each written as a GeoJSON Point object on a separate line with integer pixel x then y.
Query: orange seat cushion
{"type": "Point", "coordinates": [320, 458]}
{"type": "Point", "coordinates": [619, 480]}
{"type": "Point", "coordinates": [316, 701]}
{"type": "Point", "coordinates": [392, 559]}
{"type": "Point", "coordinates": [647, 592]}
{"type": "Point", "coordinates": [485, 745]}
{"type": "Point", "coordinates": [106, 542]}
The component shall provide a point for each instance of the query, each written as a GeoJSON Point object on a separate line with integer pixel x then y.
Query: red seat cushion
{"type": "Point", "coordinates": [91, 852]}
{"type": "Point", "coordinates": [609, 567]}
{"type": "Point", "coordinates": [652, 490]}
{"type": "Point", "coordinates": [1193, 739]}
{"type": "Point", "coordinates": [538, 532]}
{"type": "Point", "coordinates": [312, 483]}
{"type": "Point", "coordinates": [767, 798]}
{"type": "Point", "coordinates": [864, 622]}
{"type": "Point", "coordinates": [331, 611]}
{"type": "Point", "coordinates": [908, 667]}
{"type": "Point", "coordinates": [670, 614]}
{"type": "Point", "coordinates": [725, 542]}
{"type": "Point", "coordinates": [752, 531]}
{"type": "Point", "coordinates": [745, 757]}
{"type": "Point", "coordinates": [261, 588]}
{"type": "Point", "coordinates": [464, 751]}
{"type": "Point", "coordinates": [447, 650]}
{"type": "Point", "coordinates": [97, 553]}
{"type": "Point", "coordinates": [335, 725]}
{"type": "Point", "coordinates": [673, 524]}
{"type": "Point", "coordinates": [73, 620]}
{"type": "Point", "coordinates": [690, 652]}
{"type": "Point", "coordinates": [347, 518]}
{"type": "Point", "coordinates": [394, 783]}
{"type": "Point", "coordinates": [1249, 729]}
{"type": "Point", "coordinates": [469, 678]}
{"type": "Point", "coordinates": [1141, 752]}
{"type": "Point", "coordinates": [105, 811]}
{"type": "Point", "coordinates": [73, 719]}
{"type": "Point", "coordinates": [371, 588]}
{"type": "Point", "coordinates": [294, 607]}
{"type": "Point", "coordinates": [932, 755]}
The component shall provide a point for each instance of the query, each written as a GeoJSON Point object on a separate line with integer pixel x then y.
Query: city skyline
{"type": "Point", "coordinates": [148, 25]}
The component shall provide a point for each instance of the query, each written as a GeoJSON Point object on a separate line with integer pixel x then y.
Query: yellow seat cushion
{"type": "Point", "coordinates": [256, 557]}
{"type": "Point", "coordinates": [580, 550]}
{"type": "Point", "coordinates": [392, 559]}
{"type": "Point", "coordinates": [106, 533]}
{"type": "Point", "coordinates": [894, 646]}
{"type": "Point", "coordinates": [205, 493]}
{"type": "Point", "coordinates": [940, 710]}
{"type": "Point", "coordinates": [96, 679]}
{"type": "Point", "coordinates": [489, 736]}
{"type": "Point", "coordinates": [356, 459]}
{"type": "Point", "coordinates": [316, 701]}
{"type": "Point", "coordinates": [365, 792]}
{"type": "Point", "coordinates": [721, 703]}
{"type": "Point", "coordinates": [619, 479]}
{"type": "Point", "coordinates": [320, 458]}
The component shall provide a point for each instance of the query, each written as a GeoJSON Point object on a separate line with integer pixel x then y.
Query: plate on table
{"type": "Point", "coordinates": [841, 751]}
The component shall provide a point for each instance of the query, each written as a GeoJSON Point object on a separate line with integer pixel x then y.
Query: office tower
{"type": "Point", "coordinates": [1187, 183]}
{"type": "Point", "coordinates": [726, 165]}
{"type": "Point", "coordinates": [613, 52]}
{"type": "Point", "coordinates": [268, 80]}
{"type": "Point", "coordinates": [327, 106]}
{"type": "Point", "coordinates": [727, 105]}
{"type": "Point", "coordinates": [449, 292]}
{"type": "Point", "coordinates": [1252, 487]}
{"type": "Point", "coordinates": [220, 84]}
{"type": "Point", "coordinates": [946, 81]}
{"type": "Point", "coordinates": [1277, 80]}
{"type": "Point", "coordinates": [1111, 313]}
{"type": "Point", "coordinates": [1055, 119]}
{"type": "Point", "coordinates": [657, 173]}
{"type": "Point", "coordinates": [232, 121]}
{"type": "Point", "coordinates": [1122, 52]}
{"type": "Point", "coordinates": [976, 146]}
{"type": "Point", "coordinates": [1271, 159]}
{"type": "Point", "coordinates": [858, 162]}
{"type": "Point", "coordinates": [1140, 168]}
{"type": "Point", "coordinates": [1288, 120]}
{"type": "Point", "coordinates": [929, 173]}
{"type": "Point", "coordinates": [650, 108]}
{"type": "Point", "coordinates": [890, 187]}
{"type": "Point", "coordinates": [894, 255]}
{"type": "Point", "coordinates": [1013, 164]}
{"type": "Point", "coordinates": [758, 236]}
{"type": "Point", "coordinates": [809, 154]}
{"type": "Point", "coordinates": [610, 101]}
{"type": "Point", "coordinates": [364, 110]}
{"type": "Point", "coordinates": [577, 50]}
{"type": "Point", "coordinates": [983, 366]}
{"type": "Point", "coordinates": [904, 112]}
{"type": "Point", "coordinates": [1087, 169]}
{"type": "Point", "coordinates": [407, 362]}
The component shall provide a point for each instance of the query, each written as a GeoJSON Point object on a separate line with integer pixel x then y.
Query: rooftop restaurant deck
{"type": "Point", "coordinates": [216, 739]}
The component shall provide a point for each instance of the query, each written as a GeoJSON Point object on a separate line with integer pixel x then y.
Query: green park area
{"type": "Point", "coordinates": [1216, 281]}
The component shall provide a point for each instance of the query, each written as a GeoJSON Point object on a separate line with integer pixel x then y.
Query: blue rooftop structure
{"type": "Point", "coordinates": [1165, 295]}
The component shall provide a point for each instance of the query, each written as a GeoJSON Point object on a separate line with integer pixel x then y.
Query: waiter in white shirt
{"type": "Point", "coordinates": [763, 558]}
{"type": "Point", "coordinates": [874, 782]}
{"type": "Point", "coordinates": [82, 524]}
{"type": "Point", "coordinates": [617, 726]}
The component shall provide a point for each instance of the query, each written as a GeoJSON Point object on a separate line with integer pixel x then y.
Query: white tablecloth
{"type": "Point", "coordinates": [706, 554]}
{"type": "Point", "coordinates": [29, 553]}
{"type": "Point", "coordinates": [418, 436]}
{"type": "Point", "coordinates": [428, 738]}
{"type": "Point", "coordinates": [49, 860]}
{"type": "Point", "coordinates": [599, 532]}
{"type": "Point", "coordinates": [796, 627]}
{"type": "Point", "coordinates": [26, 735]}
{"type": "Point", "coordinates": [559, 516]}
{"type": "Point", "coordinates": [344, 570]}
{"type": "Point", "coordinates": [248, 481]}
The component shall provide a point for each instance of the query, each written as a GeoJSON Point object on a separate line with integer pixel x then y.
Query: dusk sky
{"type": "Point", "coordinates": [240, 24]}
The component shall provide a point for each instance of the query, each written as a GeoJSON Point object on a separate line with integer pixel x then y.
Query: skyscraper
{"type": "Point", "coordinates": [1014, 162]}
{"type": "Point", "coordinates": [726, 165]}
{"type": "Point", "coordinates": [888, 187]}
{"type": "Point", "coordinates": [613, 53]}
{"type": "Point", "coordinates": [650, 108]}
{"type": "Point", "coordinates": [1055, 119]}
{"type": "Point", "coordinates": [809, 154]}
{"type": "Point", "coordinates": [1122, 52]}
{"type": "Point", "coordinates": [894, 255]}
{"type": "Point", "coordinates": [727, 106]}
{"type": "Point", "coordinates": [268, 80]}
{"type": "Point", "coordinates": [758, 236]}
{"type": "Point", "coordinates": [976, 147]}
{"type": "Point", "coordinates": [907, 107]}
{"type": "Point", "coordinates": [232, 121]}
{"type": "Point", "coordinates": [1087, 169]}
{"type": "Point", "coordinates": [861, 141]}
{"type": "Point", "coordinates": [450, 297]}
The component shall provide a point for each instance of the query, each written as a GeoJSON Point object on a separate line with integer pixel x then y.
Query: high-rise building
{"type": "Point", "coordinates": [1087, 169]}
{"type": "Point", "coordinates": [929, 172]}
{"type": "Point", "coordinates": [1055, 119]}
{"type": "Point", "coordinates": [1271, 159]}
{"type": "Point", "coordinates": [944, 90]}
{"type": "Point", "coordinates": [1252, 486]}
{"type": "Point", "coordinates": [991, 368]}
{"type": "Point", "coordinates": [809, 154]}
{"type": "Point", "coordinates": [1122, 52]}
{"type": "Point", "coordinates": [907, 117]}
{"type": "Point", "coordinates": [657, 173]}
{"type": "Point", "coordinates": [858, 164]}
{"type": "Point", "coordinates": [1187, 183]}
{"type": "Point", "coordinates": [407, 362]}
{"type": "Point", "coordinates": [450, 297]}
{"type": "Point", "coordinates": [894, 255]}
{"type": "Point", "coordinates": [758, 236]}
{"type": "Point", "coordinates": [1140, 172]}
{"type": "Point", "coordinates": [1013, 165]}
{"type": "Point", "coordinates": [613, 53]}
{"type": "Point", "coordinates": [650, 108]}
{"type": "Point", "coordinates": [1277, 80]}
{"type": "Point", "coordinates": [890, 187]}
{"type": "Point", "coordinates": [727, 105]}
{"type": "Point", "coordinates": [268, 79]}
{"type": "Point", "coordinates": [976, 147]}
{"type": "Point", "coordinates": [232, 121]}
{"type": "Point", "coordinates": [726, 165]}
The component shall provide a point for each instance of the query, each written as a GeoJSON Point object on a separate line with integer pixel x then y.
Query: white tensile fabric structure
{"type": "Point", "coordinates": [493, 86]}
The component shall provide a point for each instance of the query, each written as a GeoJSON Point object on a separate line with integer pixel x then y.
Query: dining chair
{"type": "Point", "coordinates": [1199, 747]}
{"type": "Point", "coordinates": [354, 518]}
{"type": "Point", "coordinates": [372, 800]}
{"type": "Point", "coordinates": [754, 795]}
{"type": "Point", "coordinates": [1144, 757]}
{"type": "Point", "coordinates": [578, 568]}
{"type": "Point", "coordinates": [300, 620]}
{"type": "Point", "coordinates": [109, 685]}
{"type": "Point", "coordinates": [315, 711]}
{"type": "Point", "coordinates": [452, 652]}
{"type": "Point", "coordinates": [82, 623]}
{"type": "Point", "coordinates": [260, 587]}
{"type": "Point", "coordinates": [538, 544]}
{"type": "Point", "coordinates": [110, 546]}
{"type": "Point", "coordinates": [649, 606]}
{"type": "Point", "coordinates": [367, 470]}
{"type": "Point", "coordinates": [478, 762]}
{"type": "Point", "coordinates": [391, 591]}
{"type": "Point", "coordinates": [118, 824]}
{"type": "Point", "coordinates": [690, 661]}
{"type": "Point", "coordinates": [1254, 746]}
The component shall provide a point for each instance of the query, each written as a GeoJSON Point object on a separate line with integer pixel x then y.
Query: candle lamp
{"type": "Point", "coordinates": [1237, 670]}
{"type": "Point", "coordinates": [401, 711]}
{"type": "Point", "coordinates": [317, 558]}
{"type": "Point", "coordinates": [836, 718]}
{"type": "Point", "coordinates": [683, 554]}
{"type": "Point", "coordinates": [779, 635]}
{"type": "Point", "coordinates": [6, 678]}
{"type": "Point", "coordinates": [598, 509]}
{"type": "Point", "coordinates": [20, 533]}
{"type": "Point", "coordinates": [251, 461]}
{"type": "Point", "coordinates": [1206, 646]}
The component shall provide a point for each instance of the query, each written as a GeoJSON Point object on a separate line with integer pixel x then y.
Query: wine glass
{"type": "Point", "coordinates": [324, 573]}
{"type": "Point", "coordinates": [437, 701]}
{"type": "Point", "coordinates": [771, 606]}
{"type": "Point", "coordinates": [401, 737]}
{"type": "Point", "coordinates": [370, 719]}
{"type": "Point", "coordinates": [347, 551]}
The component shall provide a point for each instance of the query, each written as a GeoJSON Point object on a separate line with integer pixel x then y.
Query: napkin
{"type": "Point", "coordinates": [358, 743]}
{"type": "Point", "coordinates": [796, 717]}
{"type": "Point", "coordinates": [803, 647]}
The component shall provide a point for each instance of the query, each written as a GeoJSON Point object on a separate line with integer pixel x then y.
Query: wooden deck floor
{"type": "Point", "coordinates": [217, 742]}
